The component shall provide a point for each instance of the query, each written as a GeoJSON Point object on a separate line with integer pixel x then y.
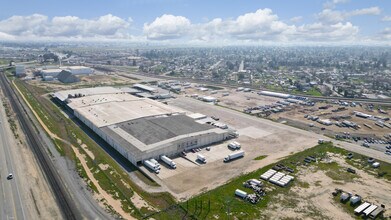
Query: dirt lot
{"type": "Point", "coordinates": [313, 198]}
{"type": "Point", "coordinates": [86, 81]}
{"type": "Point", "coordinates": [236, 100]}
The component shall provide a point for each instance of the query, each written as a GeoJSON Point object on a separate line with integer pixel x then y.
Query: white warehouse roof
{"type": "Point", "coordinates": [275, 94]}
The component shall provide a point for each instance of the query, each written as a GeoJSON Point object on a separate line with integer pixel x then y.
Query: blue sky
{"type": "Point", "coordinates": [329, 21]}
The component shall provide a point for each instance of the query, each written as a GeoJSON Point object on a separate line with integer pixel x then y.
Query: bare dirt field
{"type": "Point", "coordinates": [313, 198]}
{"type": "Point", "coordinates": [86, 81]}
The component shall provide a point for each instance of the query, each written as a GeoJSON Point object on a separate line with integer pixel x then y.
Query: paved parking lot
{"type": "Point", "coordinates": [257, 137]}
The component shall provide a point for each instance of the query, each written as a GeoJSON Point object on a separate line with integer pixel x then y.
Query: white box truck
{"type": "Point", "coordinates": [234, 156]}
{"type": "Point", "coordinates": [151, 166]}
{"type": "Point", "coordinates": [201, 158]}
{"type": "Point", "coordinates": [168, 161]}
{"type": "Point", "coordinates": [234, 145]}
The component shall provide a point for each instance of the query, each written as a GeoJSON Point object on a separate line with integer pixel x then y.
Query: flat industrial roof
{"type": "Point", "coordinates": [103, 110]}
{"type": "Point", "coordinates": [155, 129]}
{"type": "Point", "coordinates": [76, 67]}
{"type": "Point", "coordinates": [63, 95]}
{"type": "Point", "coordinates": [144, 87]}
{"type": "Point", "coordinates": [142, 135]}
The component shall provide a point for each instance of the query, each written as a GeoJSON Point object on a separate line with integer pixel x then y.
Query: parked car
{"type": "Point", "coordinates": [10, 176]}
{"type": "Point", "coordinates": [215, 118]}
{"type": "Point", "coordinates": [350, 170]}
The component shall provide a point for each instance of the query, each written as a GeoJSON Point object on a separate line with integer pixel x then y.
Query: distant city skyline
{"type": "Point", "coordinates": [220, 22]}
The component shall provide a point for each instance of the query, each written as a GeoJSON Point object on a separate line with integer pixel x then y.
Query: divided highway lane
{"type": "Point", "coordinates": [11, 203]}
{"type": "Point", "coordinates": [63, 197]}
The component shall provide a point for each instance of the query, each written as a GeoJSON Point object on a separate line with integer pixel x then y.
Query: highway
{"type": "Point", "coordinates": [11, 203]}
{"type": "Point", "coordinates": [63, 198]}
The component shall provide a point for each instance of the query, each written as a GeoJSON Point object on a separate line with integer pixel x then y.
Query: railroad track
{"type": "Point", "coordinates": [63, 198]}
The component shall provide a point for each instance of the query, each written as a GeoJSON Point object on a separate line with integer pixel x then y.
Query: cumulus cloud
{"type": "Point", "coordinates": [331, 4]}
{"type": "Point", "coordinates": [296, 19]}
{"type": "Point", "coordinates": [332, 16]}
{"type": "Point", "coordinates": [38, 25]}
{"type": "Point", "coordinates": [326, 33]}
{"type": "Point", "coordinates": [167, 27]}
{"type": "Point", "coordinates": [385, 34]}
{"type": "Point", "coordinates": [386, 18]}
{"type": "Point", "coordinates": [261, 25]}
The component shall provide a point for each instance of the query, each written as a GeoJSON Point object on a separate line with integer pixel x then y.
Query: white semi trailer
{"type": "Point", "coordinates": [155, 162]}
{"type": "Point", "coordinates": [201, 158]}
{"type": "Point", "coordinates": [151, 166]}
{"type": "Point", "coordinates": [234, 145]}
{"type": "Point", "coordinates": [168, 161]}
{"type": "Point", "coordinates": [234, 156]}
{"type": "Point", "coordinates": [240, 193]}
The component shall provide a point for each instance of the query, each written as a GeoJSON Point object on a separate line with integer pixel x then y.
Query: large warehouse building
{"type": "Point", "coordinates": [138, 128]}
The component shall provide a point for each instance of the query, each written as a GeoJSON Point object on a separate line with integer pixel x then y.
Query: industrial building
{"type": "Point", "coordinates": [20, 71]}
{"type": "Point", "coordinates": [75, 70]}
{"type": "Point", "coordinates": [138, 128]}
{"type": "Point", "coordinates": [275, 94]}
{"type": "Point", "coordinates": [67, 77]}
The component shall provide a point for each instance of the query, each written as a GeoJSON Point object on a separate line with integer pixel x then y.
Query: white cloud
{"type": "Point", "coordinates": [23, 25]}
{"type": "Point", "coordinates": [365, 11]}
{"type": "Point", "coordinates": [331, 4]}
{"type": "Point", "coordinates": [259, 26]}
{"type": "Point", "coordinates": [332, 16]}
{"type": "Point", "coordinates": [37, 25]}
{"type": "Point", "coordinates": [386, 18]}
{"type": "Point", "coordinates": [167, 27]}
{"type": "Point", "coordinates": [296, 19]}
{"type": "Point", "coordinates": [385, 35]}
{"type": "Point", "coordinates": [325, 33]}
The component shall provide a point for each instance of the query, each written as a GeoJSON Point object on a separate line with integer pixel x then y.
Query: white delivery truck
{"type": "Point", "coordinates": [234, 156]}
{"type": "Point", "coordinates": [151, 166]}
{"type": "Point", "coordinates": [168, 161]}
{"type": "Point", "coordinates": [201, 158]}
{"type": "Point", "coordinates": [234, 145]}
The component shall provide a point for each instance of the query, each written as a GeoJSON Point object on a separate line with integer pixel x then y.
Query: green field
{"type": "Point", "coordinates": [314, 92]}
{"type": "Point", "coordinates": [217, 202]}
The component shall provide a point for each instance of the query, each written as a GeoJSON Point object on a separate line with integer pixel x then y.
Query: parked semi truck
{"type": "Point", "coordinates": [151, 166]}
{"type": "Point", "coordinates": [201, 158]}
{"type": "Point", "coordinates": [234, 145]}
{"type": "Point", "coordinates": [155, 162]}
{"type": "Point", "coordinates": [234, 156]}
{"type": "Point", "coordinates": [168, 161]}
